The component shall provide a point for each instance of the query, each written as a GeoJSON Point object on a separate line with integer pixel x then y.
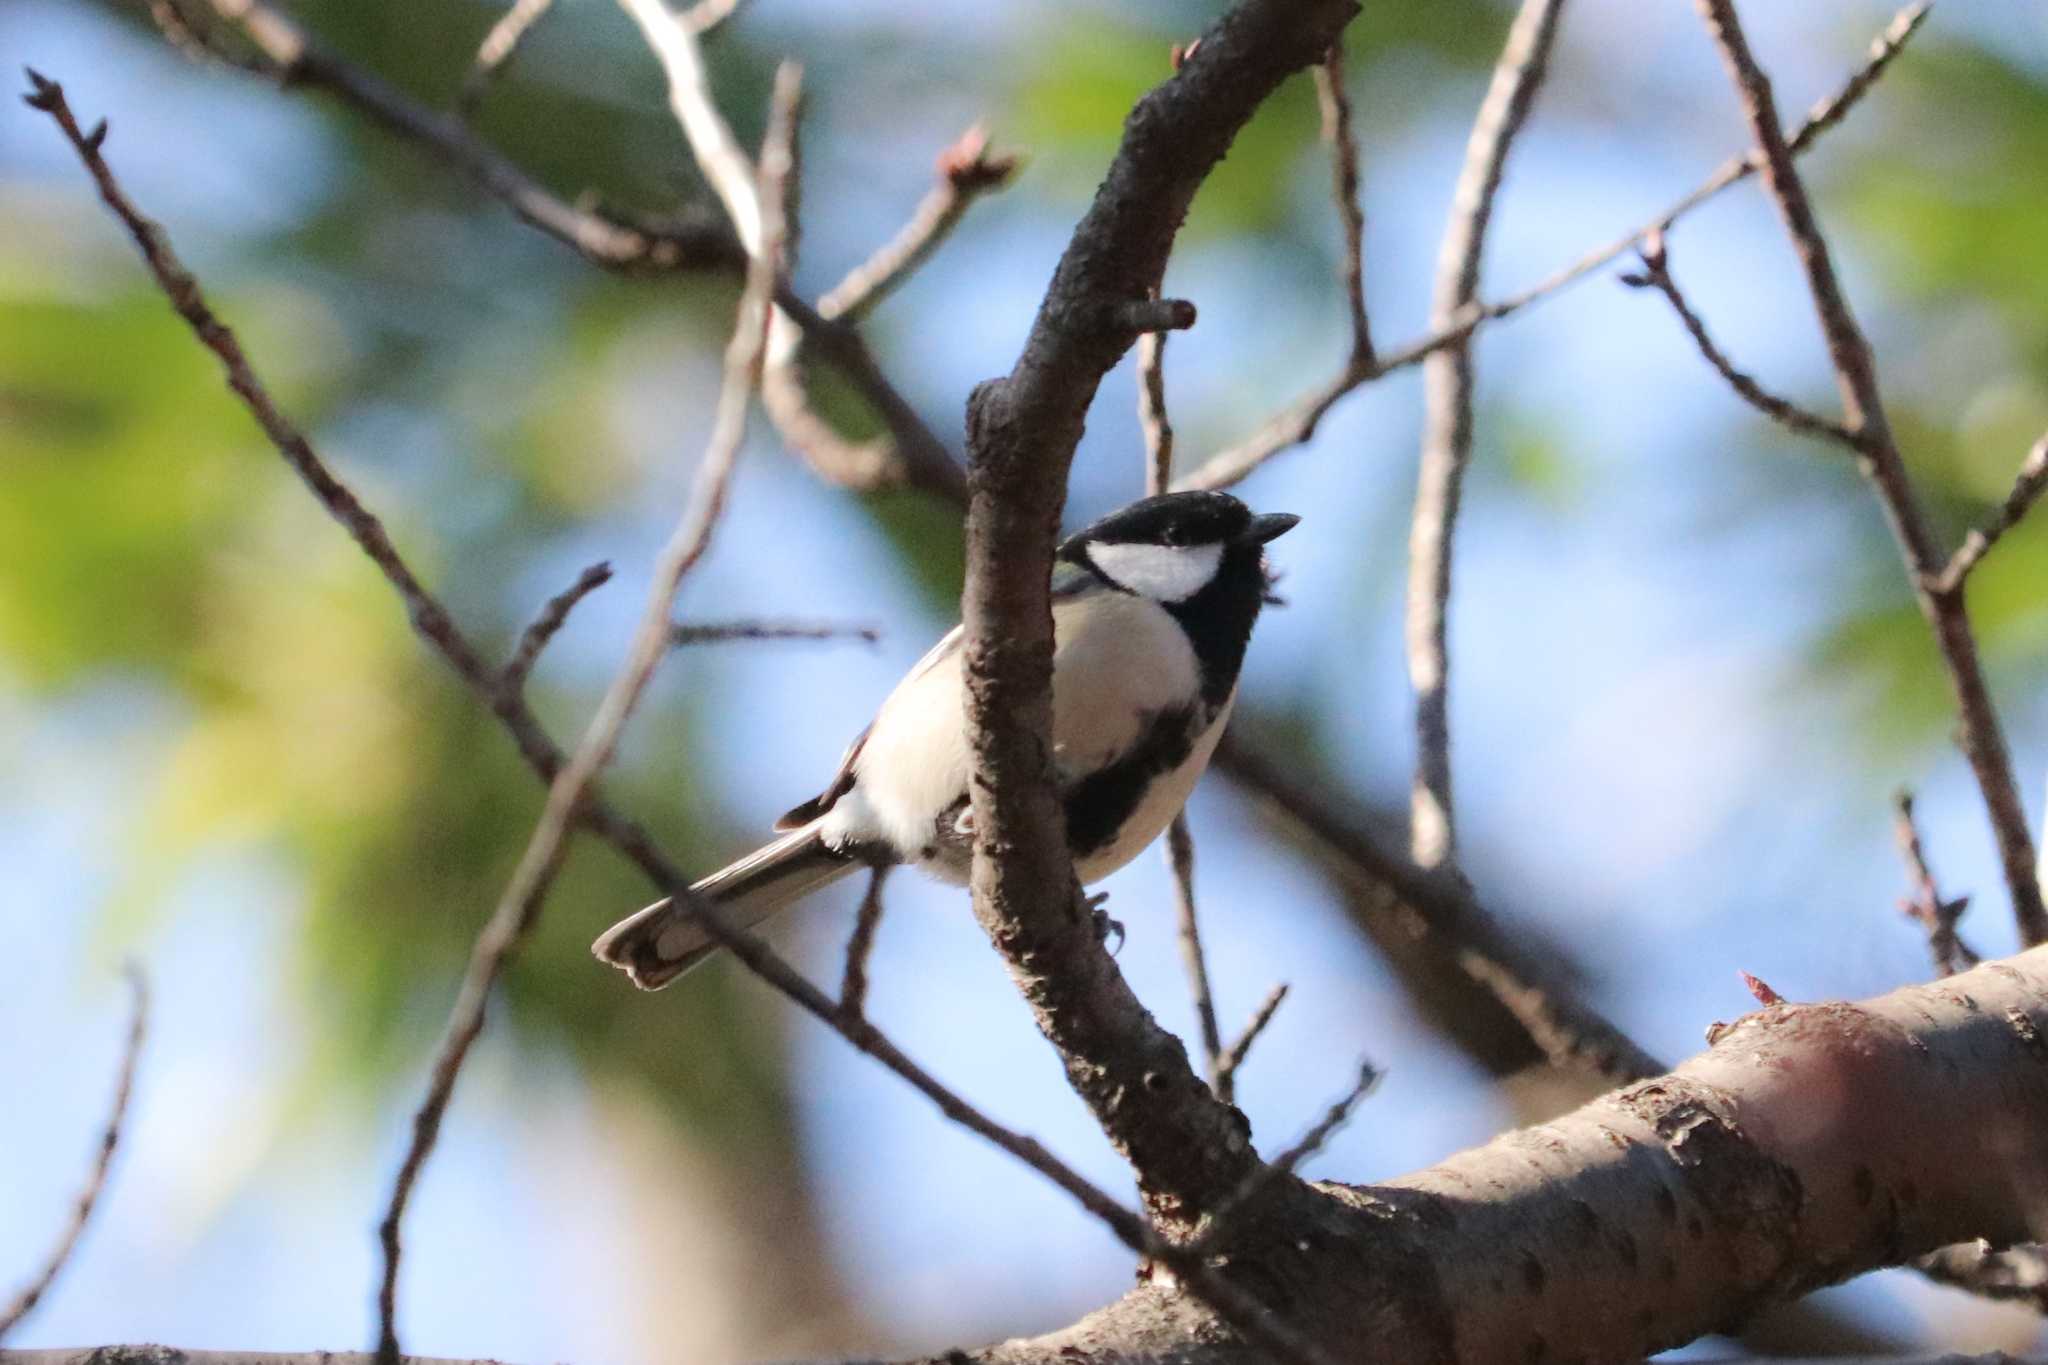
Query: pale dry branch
{"type": "Point", "coordinates": [499, 47]}
{"type": "Point", "coordinates": [31, 1294]}
{"type": "Point", "coordinates": [511, 923]}
{"type": "Point", "coordinates": [1980, 734]}
{"type": "Point", "coordinates": [966, 171]}
{"type": "Point", "coordinates": [1447, 424]}
{"type": "Point", "coordinates": [1296, 423]}
{"type": "Point", "coordinates": [1656, 274]}
{"type": "Point", "coordinates": [1153, 421]}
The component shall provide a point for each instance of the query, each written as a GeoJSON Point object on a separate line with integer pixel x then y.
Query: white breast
{"type": "Point", "coordinates": [1117, 660]}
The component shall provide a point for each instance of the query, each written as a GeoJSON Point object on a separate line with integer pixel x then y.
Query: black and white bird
{"type": "Point", "coordinates": [1152, 609]}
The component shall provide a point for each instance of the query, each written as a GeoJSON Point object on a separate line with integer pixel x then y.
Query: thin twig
{"type": "Point", "coordinates": [1235, 1054]}
{"type": "Point", "coordinates": [1152, 418]}
{"type": "Point", "coordinates": [32, 1293]}
{"type": "Point", "coordinates": [1447, 423]}
{"type": "Point", "coordinates": [1335, 104]}
{"type": "Point", "coordinates": [1980, 734]}
{"type": "Point", "coordinates": [1297, 422]}
{"type": "Point", "coordinates": [1656, 274]}
{"type": "Point", "coordinates": [706, 15]}
{"type": "Point", "coordinates": [853, 980]}
{"type": "Point", "coordinates": [1232, 1060]}
{"type": "Point", "coordinates": [1936, 914]}
{"type": "Point", "coordinates": [498, 49]}
{"type": "Point", "coordinates": [1217, 1223]}
{"type": "Point", "coordinates": [2026, 490]}
{"type": "Point", "coordinates": [519, 908]}
{"type": "Point", "coordinates": [552, 616]}
{"type": "Point", "coordinates": [966, 171]}
{"type": "Point", "coordinates": [1180, 858]}
{"type": "Point", "coordinates": [725, 632]}
{"type": "Point", "coordinates": [438, 631]}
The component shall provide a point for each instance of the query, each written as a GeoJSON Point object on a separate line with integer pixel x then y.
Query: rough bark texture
{"type": "Point", "coordinates": [1810, 1143]}
{"type": "Point", "coordinates": [1189, 1149]}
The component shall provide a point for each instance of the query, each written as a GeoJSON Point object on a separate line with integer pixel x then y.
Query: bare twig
{"type": "Point", "coordinates": [1447, 423]}
{"type": "Point", "coordinates": [1180, 858]}
{"type": "Point", "coordinates": [1981, 737]}
{"type": "Point", "coordinates": [1936, 914]}
{"type": "Point", "coordinates": [2026, 489]}
{"type": "Point", "coordinates": [1297, 422]}
{"type": "Point", "coordinates": [853, 981]}
{"type": "Point", "coordinates": [32, 1293]}
{"type": "Point", "coordinates": [1335, 104]}
{"type": "Point", "coordinates": [706, 15]}
{"type": "Point", "coordinates": [498, 49]}
{"type": "Point", "coordinates": [966, 171]}
{"type": "Point", "coordinates": [1152, 417]}
{"type": "Point", "coordinates": [1228, 1064]}
{"type": "Point", "coordinates": [552, 616]}
{"type": "Point", "coordinates": [724, 632]}
{"type": "Point", "coordinates": [1656, 274]}
{"type": "Point", "coordinates": [519, 908]}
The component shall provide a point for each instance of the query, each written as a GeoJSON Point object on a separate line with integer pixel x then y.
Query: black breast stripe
{"type": "Point", "coordinates": [1098, 805]}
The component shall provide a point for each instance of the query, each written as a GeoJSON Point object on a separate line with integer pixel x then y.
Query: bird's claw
{"type": "Point", "coordinates": [1104, 925]}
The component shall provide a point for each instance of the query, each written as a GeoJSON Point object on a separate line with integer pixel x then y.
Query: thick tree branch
{"type": "Point", "coordinates": [1022, 431]}
{"type": "Point", "coordinates": [1678, 1206]}
{"type": "Point", "coordinates": [1447, 423]}
{"type": "Point", "coordinates": [31, 1294]}
{"type": "Point", "coordinates": [1947, 612]}
{"type": "Point", "coordinates": [1297, 422]}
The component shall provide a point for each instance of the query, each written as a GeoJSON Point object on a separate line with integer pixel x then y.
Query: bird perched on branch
{"type": "Point", "coordinates": [1152, 608]}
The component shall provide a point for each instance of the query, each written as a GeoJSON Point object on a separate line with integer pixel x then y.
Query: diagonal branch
{"type": "Point", "coordinates": [519, 908]}
{"type": "Point", "coordinates": [1656, 274]}
{"type": "Point", "coordinates": [1186, 1147]}
{"type": "Point", "coordinates": [1947, 612]}
{"type": "Point", "coordinates": [553, 616]}
{"type": "Point", "coordinates": [1335, 104]}
{"type": "Point", "coordinates": [1297, 422]}
{"type": "Point", "coordinates": [1447, 423]}
{"type": "Point", "coordinates": [32, 1293]}
{"type": "Point", "coordinates": [1936, 913]}
{"type": "Point", "coordinates": [499, 47]}
{"type": "Point", "coordinates": [966, 171]}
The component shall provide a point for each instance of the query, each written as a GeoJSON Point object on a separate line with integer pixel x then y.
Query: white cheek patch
{"type": "Point", "coordinates": [1164, 573]}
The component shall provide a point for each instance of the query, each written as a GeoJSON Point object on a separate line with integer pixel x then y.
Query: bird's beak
{"type": "Point", "coordinates": [1271, 526]}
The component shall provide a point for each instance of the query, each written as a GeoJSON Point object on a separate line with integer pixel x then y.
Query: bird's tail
{"type": "Point", "coordinates": [660, 943]}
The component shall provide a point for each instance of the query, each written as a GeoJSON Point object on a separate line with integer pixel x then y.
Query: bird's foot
{"type": "Point", "coordinates": [1104, 925]}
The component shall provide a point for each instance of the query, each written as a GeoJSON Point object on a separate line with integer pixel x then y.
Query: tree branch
{"type": "Point", "coordinates": [553, 615]}
{"type": "Point", "coordinates": [1335, 105]}
{"type": "Point", "coordinates": [1656, 274]}
{"type": "Point", "coordinates": [53, 1265]}
{"type": "Point", "coordinates": [1022, 431]}
{"type": "Point", "coordinates": [1936, 914]}
{"type": "Point", "coordinates": [497, 50]}
{"type": "Point", "coordinates": [519, 908]}
{"type": "Point", "coordinates": [2026, 489]}
{"type": "Point", "coordinates": [966, 172]}
{"type": "Point", "coordinates": [1447, 424]}
{"type": "Point", "coordinates": [1982, 739]}
{"type": "Point", "coordinates": [1297, 422]}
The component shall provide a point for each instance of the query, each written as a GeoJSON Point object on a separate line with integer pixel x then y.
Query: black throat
{"type": "Point", "coordinates": [1218, 619]}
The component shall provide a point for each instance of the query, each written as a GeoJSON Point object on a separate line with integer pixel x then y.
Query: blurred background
{"type": "Point", "coordinates": [1687, 671]}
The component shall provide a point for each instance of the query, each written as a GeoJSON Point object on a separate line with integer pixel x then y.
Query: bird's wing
{"type": "Point", "coordinates": [796, 817]}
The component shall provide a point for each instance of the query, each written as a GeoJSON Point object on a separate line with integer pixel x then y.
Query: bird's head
{"type": "Point", "coordinates": [1170, 547]}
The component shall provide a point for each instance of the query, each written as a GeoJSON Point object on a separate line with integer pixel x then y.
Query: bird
{"type": "Point", "coordinates": [1152, 608]}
